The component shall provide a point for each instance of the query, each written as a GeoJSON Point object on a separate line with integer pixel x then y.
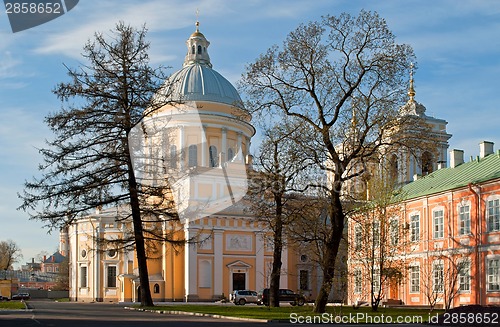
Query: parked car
{"type": "Point", "coordinates": [242, 297]}
{"type": "Point", "coordinates": [4, 298]}
{"type": "Point", "coordinates": [21, 296]}
{"type": "Point", "coordinates": [285, 295]}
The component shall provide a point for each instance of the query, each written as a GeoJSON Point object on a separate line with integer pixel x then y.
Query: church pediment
{"type": "Point", "coordinates": [238, 264]}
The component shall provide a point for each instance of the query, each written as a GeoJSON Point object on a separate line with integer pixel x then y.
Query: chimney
{"type": "Point", "coordinates": [44, 258]}
{"type": "Point", "coordinates": [456, 158]}
{"type": "Point", "coordinates": [485, 148]}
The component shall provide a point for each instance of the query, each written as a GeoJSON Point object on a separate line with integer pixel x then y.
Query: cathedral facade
{"type": "Point", "coordinates": [209, 134]}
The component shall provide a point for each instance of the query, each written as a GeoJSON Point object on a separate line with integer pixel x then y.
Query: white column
{"type": "Point", "coordinates": [182, 145]}
{"type": "Point", "coordinates": [223, 151]}
{"type": "Point", "coordinates": [204, 146]}
{"type": "Point", "coordinates": [240, 148]}
{"type": "Point", "coordinates": [259, 261]}
{"type": "Point", "coordinates": [191, 267]}
{"type": "Point", "coordinates": [284, 268]}
{"type": "Point", "coordinates": [218, 262]}
{"type": "Point", "coordinates": [97, 266]}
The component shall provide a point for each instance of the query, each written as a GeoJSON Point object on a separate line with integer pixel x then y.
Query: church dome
{"type": "Point", "coordinates": [197, 80]}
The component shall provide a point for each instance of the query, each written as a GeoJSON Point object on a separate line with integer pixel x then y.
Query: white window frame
{"type": "Point", "coordinates": [464, 219]}
{"type": "Point", "coordinates": [438, 223]}
{"type": "Point", "coordinates": [358, 281]}
{"type": "Point", "coordinates": [394, 231]}
{"type": "Point", "coordinates": [415, 227]}
{"type": "Point", "coordinates": [108, 277]}
{"type": "Point", "coordinates": [464, 276]}
{"type": "Point", "coordinates": [415, 279]}
{"type": "Point", "coordinates": [493, 274]}
{"type": "Point", "coordinates": [376, 280]}
{"type": "Point", "coordinates": [83, 277]}
{"type": "Point", "coordinates": [438, 276]}
{"type": "Point", "coordinates": [376, 233]}
{"type": "Point", "coordinates": [358, 237]}
{"type": "Point", "coordinates": [493, 214]}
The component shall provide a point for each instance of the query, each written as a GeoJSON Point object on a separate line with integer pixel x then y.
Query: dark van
{"type": "Point", "coordinates": [285, 295]}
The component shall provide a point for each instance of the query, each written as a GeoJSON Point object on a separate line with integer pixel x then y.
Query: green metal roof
{"type": "Point", "coordinates": [476, 171]}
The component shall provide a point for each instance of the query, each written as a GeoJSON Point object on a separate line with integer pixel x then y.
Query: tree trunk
{"type": "Point", "coordinates": [274, 286]}
{"type": "Point", "coordinates": [332, 248]}
{"type": "Point", "coordinates": [140, 249]}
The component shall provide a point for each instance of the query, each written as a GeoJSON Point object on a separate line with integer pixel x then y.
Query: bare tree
{"type": "Point", "coordinates": [10, 253]}
{"type": "Point", "coordinates": [62, 279]}
{"type": "Point", "coordinates": [445, 272]}
{"type": "Point", "coordinates": [326, 74]}
{"type": "Point", "coordinates": [276, 183]}
{"type": "Point", "coordinates": [378, 240]}
{"type": "Point", "coordinates": [89, 163]}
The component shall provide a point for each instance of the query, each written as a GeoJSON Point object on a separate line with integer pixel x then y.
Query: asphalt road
{"type": "Point", "coordinates": [70, 314]}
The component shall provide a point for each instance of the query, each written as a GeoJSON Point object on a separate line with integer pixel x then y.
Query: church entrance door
{"type": "Point", "coordinates": [239, 281]}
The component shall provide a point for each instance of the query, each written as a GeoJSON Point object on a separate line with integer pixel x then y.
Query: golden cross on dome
{"type": "Point", "coordinates": [197, 20]}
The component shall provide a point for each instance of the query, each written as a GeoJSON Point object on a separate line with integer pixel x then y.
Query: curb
{"type": "Point", "coordinates": [199, 314]}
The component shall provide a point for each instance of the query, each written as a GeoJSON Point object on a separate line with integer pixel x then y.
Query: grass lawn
{"type": "Point", "coordinates": [305, 314]}
{"type": "Point", "coordinates": [12, 305]}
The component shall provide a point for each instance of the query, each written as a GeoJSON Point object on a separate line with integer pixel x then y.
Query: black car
{"type": "Point", "coordinates": [285, 295]}
{"type": "Point", "coordinates": [4, 298]}
{"type": "Point", "coordinates": [21, 296]}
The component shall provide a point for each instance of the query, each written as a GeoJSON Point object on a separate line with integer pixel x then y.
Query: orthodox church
{"type": "Point", "coordinates": [208, 132]}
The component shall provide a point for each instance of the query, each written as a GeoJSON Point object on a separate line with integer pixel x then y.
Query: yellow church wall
{"type": "Point", "coordinates": [174, 273]}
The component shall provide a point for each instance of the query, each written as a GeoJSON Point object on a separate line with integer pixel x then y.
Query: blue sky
{"type": "Point", "coordinates": [457, 45]}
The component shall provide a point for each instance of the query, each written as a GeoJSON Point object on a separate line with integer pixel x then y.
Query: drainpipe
{"type": "Point", "coordinates": [478, 240]}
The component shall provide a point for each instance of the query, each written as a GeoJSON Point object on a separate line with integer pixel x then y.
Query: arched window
{"type": "Point", "coordinates": [205, 275]}
{"type": "Point", "coordinates": [192, 50]}
{"type": "Point", "coordinates": [393, 168]}
{"type": "Point", "coordinates": [173, 156]}
{"type": "Point", "coordinates": [193, 156]}
{"type": "Point", "coordinates": [230, 154]}
{"type": "Point", "coordinates": [156, 289]}
{"type": "Point", "coordinates": [199, 49]}
{"type": "Point", "coordinates": [213, 156]}
{"type": "Point", "coordinates": [427, 163]}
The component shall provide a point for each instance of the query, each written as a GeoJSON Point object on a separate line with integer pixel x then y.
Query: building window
{"type": "Point", "coordinates": [173, 157]}
{"type": "Point", "coordinates": [199, 49]}
{"type": "Point", "coordinates": [192, 156]}
{"type": "Point", "coordinates": [205, 278]}
{"type": "Point", "coordinates": [438, 217]}
{"type": "Point", "coordinates": [304, 280]}
{"type": "Point", "coordinates": [415, 228]}
{"type": "Point", "coordinates": [156, 289]}
{"type": "Point", "coordinates": [493, 275]}
{"type": "Point", "coordinates": [212, 150]}
{"type": "Point", "coordinates": [358, 281]}
{"type": "Point", "coordinates": [230, 154]}
{"type": "Point", "coordinates": [358, 238]}
{"type": "Point", "coordinates": [414, 279]}
{"type": "Point", "coordinates": [376, 280]}
{"type": "Point", "coordinates": [112, 253]}
{"type": "Point", "coordinates": [494, 215]}
{"type": "Point", "coordinates": [464, 276]}
{"type": "Point", "coordinates": [192, 50]}
{"type": "Point", "coordinates": [111, 276]}
{"type": "Point", "coordinates": [83, 276]}
{"type": "Point", "coordinates": [376, 233]}
{"type": "Point", "coordinates": [438, 277]}
{"type": "Point", "coordinates": [464, 220]}
{"type": "Point", "coordinates": [427, 163]}
{"type": "Point", "coordinates": [394, 231]}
